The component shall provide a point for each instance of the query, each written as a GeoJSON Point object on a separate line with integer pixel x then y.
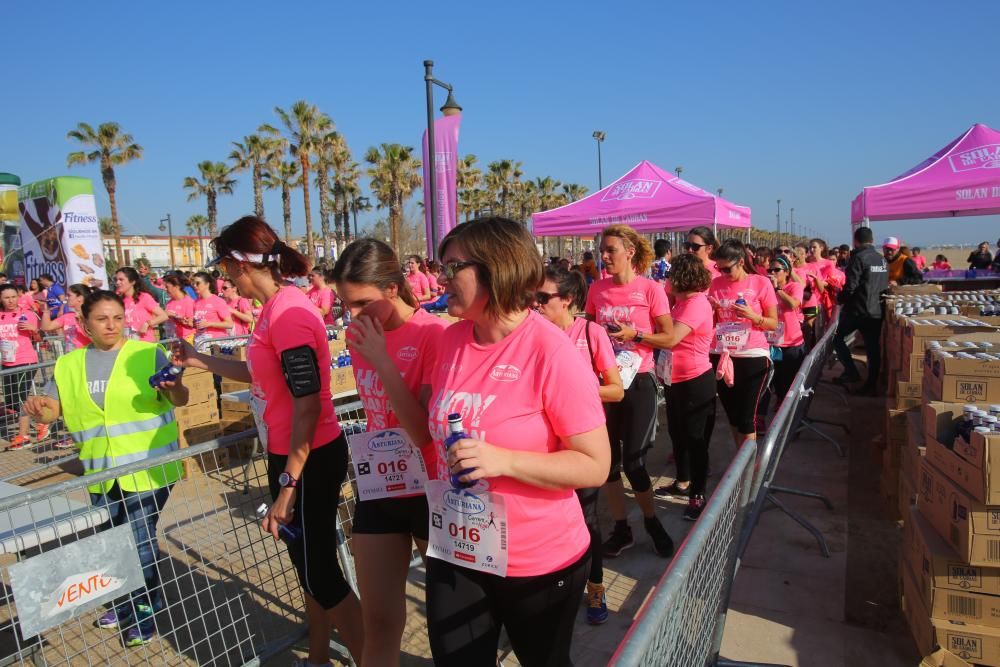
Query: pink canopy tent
{"type": "Point", "coordinates": [960, 179]}
{"type": "Point", "coordinates": [646, 198]}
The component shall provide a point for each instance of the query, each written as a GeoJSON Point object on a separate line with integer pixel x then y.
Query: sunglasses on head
{"type": "Point", "coordinates": [544, 297]}
{"type": "Point", "coordinates": [450, 269]}
{"type": "Point", "coordinates": [693, 247]}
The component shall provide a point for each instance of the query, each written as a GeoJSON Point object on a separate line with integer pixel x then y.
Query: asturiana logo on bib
{"type": "Point", "coordinates": [634, 188]}
{"type": "Point", "coordinates": [463, 502]}
{"type": "Point", "coordinates": [408, 353]}
{"type": "Point", "coordinates": [505, 373]}
{"type": "Point", "coordinates": [386, 441]}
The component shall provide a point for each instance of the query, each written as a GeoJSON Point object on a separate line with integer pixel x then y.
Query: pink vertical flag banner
{"type": "Point", "coordinates": [446, 170]}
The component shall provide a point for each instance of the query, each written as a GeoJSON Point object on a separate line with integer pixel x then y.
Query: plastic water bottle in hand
{"type": "Point", "coordinates": [456, 432]}
{"type": "Point", "coordinates": [290, 533]}
{"type": "Point", "coordinates": [740, 301]}
{"type": "Point", "coordinates": [168, 373]}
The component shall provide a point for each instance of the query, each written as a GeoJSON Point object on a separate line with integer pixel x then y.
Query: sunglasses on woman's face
{"type": "Point", "coordinates": [693, 247]}
{"type": "Point", "coordinates": [775, 270]}
{"type": "Point", "coordinates": [450, 269]}
{"type": "Point", "coordinates": [726, 269]}
{"type": "Point", "coordinates": [543, 297]}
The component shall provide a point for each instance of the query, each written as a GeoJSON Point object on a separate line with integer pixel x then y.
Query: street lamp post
{"type": "Point", "coordinates": [778, 219]}
{"type": "Point", "coordinates": [169, 228]}
{"type": "Point", "coordinates": [678, 171]}
{"type": "Point", "coordinates": [450, 108]}
{"type": "Point", "coordinates": [599, 136]}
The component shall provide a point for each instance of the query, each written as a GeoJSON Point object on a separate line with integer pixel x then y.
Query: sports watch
{"type": "Point", "coordinates": [286, 481]}
{"type": "Point", "coordinates": [638, 337]}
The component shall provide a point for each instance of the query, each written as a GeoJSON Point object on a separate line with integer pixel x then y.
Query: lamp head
{"type": "Point", "coordinates": [451, 107]}
{"type": "Point", "coordinates": [599, 135]}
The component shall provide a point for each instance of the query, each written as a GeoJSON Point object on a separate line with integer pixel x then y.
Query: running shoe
{"type": "Point", "coordinates": [19, 442]}
{"type": "Point", "coordinates": [41, 432]}
{"type": "Point", "coordinates": [141, 633]}
{"type": "Point", "coordinates": [672, 491]}
{"type": "Point", "coordinates": [597, 604]}
{"type": "Point", "coordinates": [619, 540]}
{"type": "Point", "coordinates": [696, 505]}
{"type": "Point", "coordinates": [662, 544]}
{"type": "Point", "coordinates": [121, 616]}
{"type": "Point", "coordinates": [65, 443]}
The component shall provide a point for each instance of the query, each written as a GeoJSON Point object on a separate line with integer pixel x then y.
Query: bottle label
{"type": "Point", "coordinates": [467, 528]}
{"type": "Point", "coordinates": [387, 464]}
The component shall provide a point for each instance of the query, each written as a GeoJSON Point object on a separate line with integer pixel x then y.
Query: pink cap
{"type": "Point", "coordinates": [891, 242]}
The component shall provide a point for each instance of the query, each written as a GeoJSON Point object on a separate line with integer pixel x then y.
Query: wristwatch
{"type": "Point", "coordinates": [638, 337]}
{"type": "Point", "coordinates": [286, 481]}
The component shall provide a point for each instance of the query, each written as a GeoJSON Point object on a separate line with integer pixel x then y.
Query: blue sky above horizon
{"type": "Point", "coordinates": [784, 100]}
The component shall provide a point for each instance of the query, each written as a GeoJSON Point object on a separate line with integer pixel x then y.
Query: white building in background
{"type": "Point", "coordinates": [189, 251]}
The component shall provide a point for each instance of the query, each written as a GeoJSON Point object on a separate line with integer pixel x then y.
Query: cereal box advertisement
{"type": "Point", "coordinates": [59, 232]}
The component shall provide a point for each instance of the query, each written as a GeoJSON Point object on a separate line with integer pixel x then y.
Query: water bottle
{"type": "Point", "coordinates": [967, 423]}
{"type": "Point", "coordinates": [740, 301]}
{"type": "Point", "coordinates": [289, 533]}
{"type": "Point", "coordinates": [456, 432]}
{"type": "Point", "coordinates": [168, 373]}
{"type": "Point", "coordinates": [347, 318]}
{"type": "Point", "coordinates": [347, 358]}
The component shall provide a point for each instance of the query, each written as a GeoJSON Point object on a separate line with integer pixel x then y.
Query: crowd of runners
{"type": "Point", "coordinates": [520, 411]}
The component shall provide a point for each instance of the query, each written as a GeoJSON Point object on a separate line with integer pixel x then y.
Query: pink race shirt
{"type": "Point", "coordinates": [603, 358]}
{"type": "Point", "coordinates": [138, 312]}
{"type": "Point", "coordinates": [26, 302]}
{"type": "Point", "coordinates": [525, 393]}
{"type": "Point", "coordinates": [74, 336]}
{"type": "Point", "coordinates": [758, 293]}
{"type": "Point", "coordinates": [212, 309]}
{"type": "Point", "coordinates": [418, 283]}
{"type": "Point", "coordinates": [636, 305]}
{"type": "Point", "coordinates": [15, 341]}
{"type": "Point", "coordinates": [790, 318]}
{"type": "Point", "coordinates": [177, 308]}
{"type": "Point", "coordinates": [690, 356]}
{"type": "Point", "coordinates": [239, 305]}
{"type": "Point", "coordinates": [322, 298]}
{"type": "Point", "coordinates": [805, 272]}
{"type": "Point", "coordinates": [413, 349]}
{"type": "Point", "coordinates": [289, 320]}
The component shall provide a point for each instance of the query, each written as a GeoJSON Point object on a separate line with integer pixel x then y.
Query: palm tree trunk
{"type": "Point", "coordinates": [114, 223]}
{"type": "Point", "coordinates": [286, 212]}
{"type": "Point", "coordinates": [324, 210]}
{"type": "Point", "coordinates": [345, 212]}
{"type": "Point", "coordinates": [258, 195]}
{"type": "Point", "coordinates": [212, 212]}
{"type": "Point", "coordinates": [394, 225]}
{"type": "Point", "coordinates": [310, 241]}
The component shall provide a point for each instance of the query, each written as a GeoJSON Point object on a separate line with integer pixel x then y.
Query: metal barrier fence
{"type": "Point", "coordinates": [680, 621]}
{"type": "Point", "coordinates": [684, 620]}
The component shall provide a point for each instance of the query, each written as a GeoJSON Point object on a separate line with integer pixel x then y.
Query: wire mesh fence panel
{"type": "Point", "coordinates": [214, 589]}
{"type": "Point", "coordinates": [678, 624]}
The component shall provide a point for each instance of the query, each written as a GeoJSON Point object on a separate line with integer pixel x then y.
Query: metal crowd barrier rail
{"type": "Point", "coordinates": [680, 621]}
{"type": "Point", "coordinates": [230, 595]}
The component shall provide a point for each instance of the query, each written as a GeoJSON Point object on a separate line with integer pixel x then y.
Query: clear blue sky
{"type": "Point", "coordinates": [806, 102]}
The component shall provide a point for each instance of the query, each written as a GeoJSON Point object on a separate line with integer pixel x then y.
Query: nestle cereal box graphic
{"type": "Point", "coordinates": [59, 232]}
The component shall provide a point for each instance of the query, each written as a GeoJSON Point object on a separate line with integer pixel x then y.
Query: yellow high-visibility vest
{"type": "Point", "coordinates": [136, 424]}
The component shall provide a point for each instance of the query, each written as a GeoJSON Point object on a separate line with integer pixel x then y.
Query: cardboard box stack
{"type": "Point", "coordinates": [198, 421]}
{"type": "Point", "coordinates": [341, 377]}
{"type": "Point", "coordinates": [234, 416]}
{"type": "Point", "coordinates": [943, 481]}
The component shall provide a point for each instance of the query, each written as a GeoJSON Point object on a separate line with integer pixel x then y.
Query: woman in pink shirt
{"type": "Point", "coordinates": [393, 347]}
{"type": "Point", "coordinates": [290, 398]}
{"type": "Point", "coordinates": [240, 309]}
{"type": "Point", "coordinates": [687, 372]}
{"type": "Point", "coordinates": [635, 312]}
{"type": "Point", "coordinates": [432, 272]}
{"type": "Point", "coordinates": [419, 284]}
{"type": "Point", "coordinates": [830, 279]}
{"type": "Point", "coordinates": [70, 320]}
{"type": "Point", "coordinates": [320, 294]}
{"type": "Point", "coordinates": [211, 313]}
{"type": "Point", "coordinates": [745, 308]}
{"type": "Point", "coordinates": [701, 243]}
{"type": "Point", "coordinates": [787, 337]}
{"type": "Point", "coordinates": [17, 330]}
{"type": "Point", "coordinates": [142, 313]}
{"type": "Point", "coordinates": [561, 296]}
{"type": "Point", "coordinates": [180, 309]}
{"type": "Point", "coordinates": [529, 407]}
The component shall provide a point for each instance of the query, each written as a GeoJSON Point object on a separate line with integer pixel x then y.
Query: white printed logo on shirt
{"type": "Point", "coordinates": [505, 373]}
{"type": "Point", "coordinates": [408, 353]}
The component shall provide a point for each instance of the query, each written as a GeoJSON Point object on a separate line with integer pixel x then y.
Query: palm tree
{"type": "Point", "coordinates": [345, 184]}
{"type": "Point", "coordinates": [111, 148]}
{"type": "Point", "coordinates": [254, 153]}
{"type": "Point", "coordinates": [284, 176]}
{"type": "Point", "coordinates": [394, 175]}
{"type": "Point", "coordinates": [501, 180]}
{"type": "Point", "coordinates": [333, 155]}
{"type": "Point", "coordinates": [358, 204]}
{"type": "Point", "coordinates": [196, 226]}
{"type": "Point", "coordinates": [467, 179]}
{"type": "Point", "coordinates": [216, 179]}
{"type": "Point", "coordinates": [305, 123]}
{"type": "Point", "coordinates": [573, 192]}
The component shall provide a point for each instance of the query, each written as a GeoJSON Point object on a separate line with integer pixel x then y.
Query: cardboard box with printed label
{"type": "Point", "coordinates": [909, 389]}
{"type": "Point", "coordinates": [950, 589]}
{"type": "Point", "coordinates": [942, 658]}
{"type": "Point", "coordinates": [342, 380]}
{"type": "Point", "coordinates": [971, 528]}
{"type": "Point", "coordinates": [940, 420]}
{"type": "Point", "coordinates": [961, 388]}
{"type": "Point", "coordinates": [234, 407]}
{"type": "Point", "coordinates": [231, 386]}
{"type": "Point", "coordinates": [198, 414]}
{"type": "Point", "coordinates": [235, 353]}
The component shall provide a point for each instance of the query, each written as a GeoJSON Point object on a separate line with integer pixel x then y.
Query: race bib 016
{"type": "Point", "coordinates": [732, 336]}
{"type": "Point", "coordinates": [387, 464]}
{"type": "Point", "coordinates": [467, 528]}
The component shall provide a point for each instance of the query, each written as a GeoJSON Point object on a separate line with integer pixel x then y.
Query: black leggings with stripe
{"type": "Point", "coordinates": [630, 428]}
{"type": "Point", "coordinates": [750, 377]}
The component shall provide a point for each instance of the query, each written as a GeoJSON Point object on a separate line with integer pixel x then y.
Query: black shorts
{"type": "Point", "coordinates": [391, 516]}
{"type": "Point", "coordinates": [315, 554]}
